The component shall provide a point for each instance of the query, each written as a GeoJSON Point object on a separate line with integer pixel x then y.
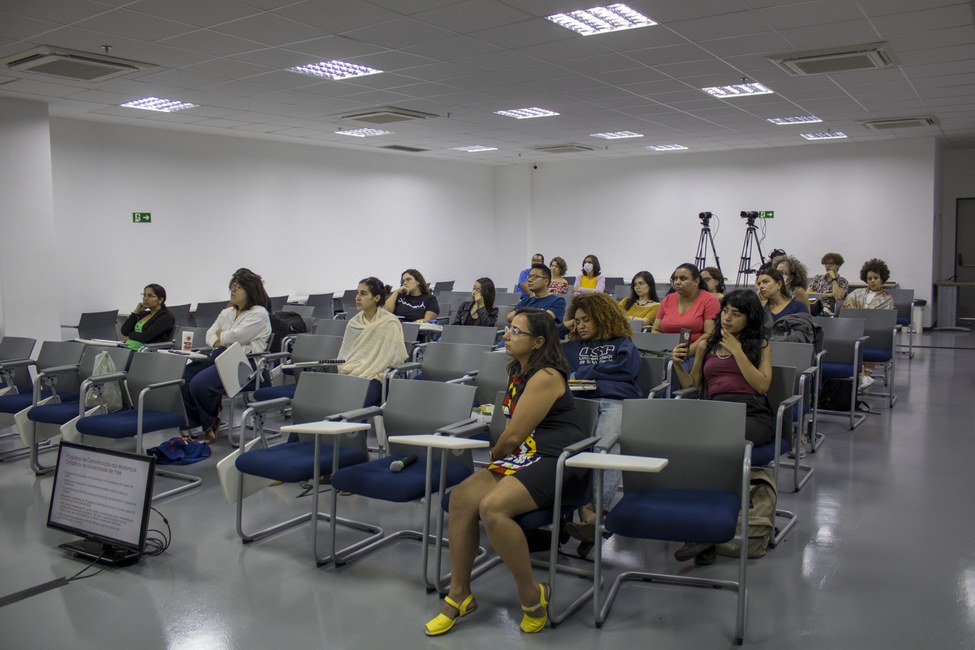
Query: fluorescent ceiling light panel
{"type": "Point", "coordinates": [335, 70]}
{"type": "Point", "coordinates": [616, 135]}
{"type": "Point", "coordinates": [364, 133]}
{"type": "Point", "coordinates": [738, 90]}
{"type": "Point", "coordinates": [526, 113]}
{"type": "Point", "coordinates": [475, 148]}
{"type": "Point", "coordinates": [601, 20]}
{"type": "Point", "coordinates": [667, 147]}
{"type": "Point", "coordinates": [829, 135]}
{"type": "Point", "coordinates": [157, 104]}
{"type": "Point", "coordinates": [804, 119]}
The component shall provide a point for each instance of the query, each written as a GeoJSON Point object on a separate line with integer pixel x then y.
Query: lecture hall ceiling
{"type": "Point", "coordinates": [461, 60]}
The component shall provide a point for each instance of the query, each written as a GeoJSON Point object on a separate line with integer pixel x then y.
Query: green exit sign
{"type": "Point", "coordinates": [141, 217]}
{"type": "Point", "coordinates": [766, 214]}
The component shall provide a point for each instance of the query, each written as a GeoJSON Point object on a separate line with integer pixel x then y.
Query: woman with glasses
{"type": "Point", "coordinates": [690, 306]}
{"type": "Point", "coordinates": [542, 421]}
{"type": "Point", "coordinates": [150, 321]}
{"type": "Point", "coordinates": [591, 277]}
{"type": "Point", "coordinates": [245, 321]}
{"type": "Point", "coordinates": [794, 273]}
{"type": "Point", "coordinates": [412, 301]}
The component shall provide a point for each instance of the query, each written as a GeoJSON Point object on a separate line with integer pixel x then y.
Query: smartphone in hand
{"type": "Point", "coordinates": [685, 336]}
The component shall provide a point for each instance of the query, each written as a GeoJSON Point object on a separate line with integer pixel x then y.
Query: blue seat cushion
{"type": "Point", "coordinates": [54, 413]}
{"type": "Point", "coordinates": [833, 370]}
{"type": "Point", "coordinates": [877, 355]}
{"type": "Point", "coordinates": [903, 320]}
{"type": "Point", "coordinates": [764, 455]}
{"type": "Point", "coordinates": [274, 392]}
{"type": "Point", "coordinates": [20, 401]}
{"type": "Point", "coordinates": [705, 516]}
{"type": "Point", "coordinates": [376, 481]}
{"type": "Point", "coordinates": [122, 424]}
{"type": "Point", "coordinates": [295, 461]}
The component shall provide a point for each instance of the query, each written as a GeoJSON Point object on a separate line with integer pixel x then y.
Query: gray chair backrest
{"type": "Point", "coordinates": [571, 279]}
{"type": "Point", "coordinates": [414, 407]}
{"type": "Point", "coordinates": [61, 353]}
{"type": "Point", "coordinates": [442, 286]}
{"type": "Point", "coordinates": [839, 336]}
{"type": "Point", "coordinates": [793, 355]}
{"type": "Point", "coordinates": [16, 348]}
{"type": "Point", "coordinates": [878, 324]}
{"type": "Point", "coordinates": [503, 311]}
{"type": "Point", "coordinates": [278, 302]}
{"type": "Point", "coordinates": [663, 288]}
{"type": "Point", "coordinates": [323, 304]}
{"type": "Point", "coordinates": [305, 311]}
{"type": "Point", "coordinates": [903, 302]}
{"type": "Point", "coordinates": [348, 301]}
{"type": "Point", "coordinates": [653, 370]}
{"type": "Point", "coordinates": [492, 376]}
{"type": "Point", "coordinates": [506, 298]}
{"type": "Point", "coordinates": [319, 395]}
{"type": "Point", "coordinates": [610, 284]}
{"type": "Point", "coordinates": [469, 334]}
{"type": "Point", "coordinates": [206, 313]}
{"type": "Point", "coordinates": [621, 291]}
{"type": "Point", "coordinates": [330, 326]}
{"type": "Point", "coordinates": [782, 386]}
{"type": "Point", "coordinates": [656, 341]}
{"type": "Point", "coordinates": [151, 368]}
{"type": "Point", "coordinates": [99, 325]}
{"type": "Point", "coordinates": [315, 347]}
{"type": "Point", "coordinates": [181, 314]}
{"type": "Point", "coordinates": [703, 440]}
{"type": "Point", "coordinates": [411, 331]}
{"type": "Point", "coordinates": [444, 361]}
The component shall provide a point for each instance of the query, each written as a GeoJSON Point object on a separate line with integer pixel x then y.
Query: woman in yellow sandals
{"type": "Point", "coordinates": [542, 421]}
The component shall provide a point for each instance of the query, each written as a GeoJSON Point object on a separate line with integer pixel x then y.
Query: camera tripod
{"type": "Point", "coordinates": [745, 263]}
{"type": "Point", "coordinates": [705, 241]}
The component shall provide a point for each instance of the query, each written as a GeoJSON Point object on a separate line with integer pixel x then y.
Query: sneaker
{"type": "Point", "coordinates": [802, 451]}
{"type": "Point", "coordinates": [691, 550]}
{"type": "Point", "coordinates": [866, 381]}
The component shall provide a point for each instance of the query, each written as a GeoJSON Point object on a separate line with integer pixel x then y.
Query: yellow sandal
{"type": "Point", "coordinates": [532, 624]}
{"type": "Point", "coordinates": [441, 623]}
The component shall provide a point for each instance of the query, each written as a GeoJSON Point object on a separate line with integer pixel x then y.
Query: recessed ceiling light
{"type": "Point", "coordinates": [828, 135]}
{"type": "Point", "coordinates": [335, 70]}
{"type": "Point", "coordinates": [738, 90]}
{"type": "Point", "coordinates": [804, 119]}
{"type": "Point", "coordinates": [157, 104]}
{"type": "Point", "coordinates": [474, 148]}
{"type": "Point", "coordinates": [667, 147]}
{"type": "Point", "coordinates": [364, 133]}
{"type": "Point", "coordinates": [600, 20]}
{"type": "Point", "coordinates": [616, 135]}
{"type": "Point", "coordinates": [526, 113]}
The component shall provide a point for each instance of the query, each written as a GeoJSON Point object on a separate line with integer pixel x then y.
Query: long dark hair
{"type": "Point", "coordinates": [716, 274]}
{"type": "Point", "coordinates": [776, 275]}
{"type": "Point", "coordinates": [550, 355]}
{"type": "Point", "coordinates": [253, 286]}
{"type": "Point", "coordinates": [160, 293]}
{"type": "Point", "coordinates": [596, 269]}
{"type": "Point", "coordinates": [377, 288]}
{"type": "Point", "coordinates": [695, 275]}
{"type": "Point", "coordinates": [752, 338]}
{"type": "Point", "coordinates": [648, 278]}
{"type": "Point", "coordinates": [420, 281]}
{"type": "Point", "coordinates": [487, 292]}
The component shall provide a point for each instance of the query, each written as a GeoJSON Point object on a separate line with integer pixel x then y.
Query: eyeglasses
{"type": "Point", "coordinates": [532, 278]}
{"type": "Point", "coordinates": [514, 331]}
{"type": "Point", "coordinates": [234, 286]}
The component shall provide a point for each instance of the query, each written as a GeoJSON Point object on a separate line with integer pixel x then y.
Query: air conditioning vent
{"type": "Point", "coordinates": [400, 147]}
{"type": "Point", "coordinates": [71, 64]}
{"type": "Point", "coordinates": [386, 115]}
{"type": "Point", "coordinates": [564, 148]}
{"type": "Point", "coordinates": [900, 122]}
{"type": "Point", "coordinates": [871, 56]}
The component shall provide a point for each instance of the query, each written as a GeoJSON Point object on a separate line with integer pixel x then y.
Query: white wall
{"type": "Point", "coordinates": [30, 292]}
{"type": "Point", "coordinates": [308, 219]}
{"type": "Point", "coordinates": [861, 200]}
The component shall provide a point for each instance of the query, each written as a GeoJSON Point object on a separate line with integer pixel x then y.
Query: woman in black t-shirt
{"type": "Point", "coordinates": [413, 301]}
{"type": "Point", "coordinates": [542, 421]}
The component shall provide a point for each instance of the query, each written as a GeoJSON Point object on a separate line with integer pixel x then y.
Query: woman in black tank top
{"type": "Point", "coordinates": [542, 421]}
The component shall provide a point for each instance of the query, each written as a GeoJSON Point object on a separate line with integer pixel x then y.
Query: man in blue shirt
{"type": "Point", "coordinates": [520, 287]}
{"type": "Point", "coordinates": [536, 283]}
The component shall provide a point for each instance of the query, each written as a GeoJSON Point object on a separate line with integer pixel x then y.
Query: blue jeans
{"type": "Point", "coordinates": [609, 422]}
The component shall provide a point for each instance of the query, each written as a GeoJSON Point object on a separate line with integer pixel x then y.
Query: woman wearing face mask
{"type": "Point", "coordinates": [413, 301]}
{"type": "Point", "coordinates": [591, 278]}
{"type": "Point", "coordinates": [690, 306]}
{"type": "Point", "coordinates": [480, 309]}
{"type": "Point", "coordinates": [794, 273]}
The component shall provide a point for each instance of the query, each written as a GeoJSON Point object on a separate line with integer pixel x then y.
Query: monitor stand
{"type": "Point", "coordinates": [107, 554]}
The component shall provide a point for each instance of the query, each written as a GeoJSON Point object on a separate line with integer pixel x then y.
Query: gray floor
{"type": "Point", "coordinates": [883, 557]}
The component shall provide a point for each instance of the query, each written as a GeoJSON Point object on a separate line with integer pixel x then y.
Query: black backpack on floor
{"type": "Point", "coordinates": [285, 323]}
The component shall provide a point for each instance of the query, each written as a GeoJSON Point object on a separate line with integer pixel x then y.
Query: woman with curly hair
{"type": "Point", "coordinates": [875, 273]}
{"type": "Point", "coordinates": [796, 279]}
{"type": "Point", "coordinates": [600, 348]}
{"type": "Point", "coordinates": [830, 286]}
{"type": "Point", "coordinates": [558, 285]}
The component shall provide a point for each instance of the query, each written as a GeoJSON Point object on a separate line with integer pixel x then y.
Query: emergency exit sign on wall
{"type": "Point", "coordinates": [141, 217]}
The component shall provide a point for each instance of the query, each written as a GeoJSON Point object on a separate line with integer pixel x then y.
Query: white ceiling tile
{"type": "Point", "coordinates": [638, 39]}
{"type": "Point", "coordinates": [227, 68]}
{"type": "Point", "coordinates": [850, 32]}
{"type": "Point", "coordinates": [398, 34]}
{"type": "Point", "coordinates": [526, 34]}
{"type": "Point", "coordinates": [334, 47]}
{"type": "Point", "coordinates": [455, 47]}
{"type": "Point", "coordinates": [63, 13]}
{"type": "Point", "coordinates": [940, 18]}
{"type": "Point", "coordinates": [670, 54]}
{"type": "Point", "coordinates": [765, 43]}
{"type": "Point", "coordinates": [269, 30]}
{"type": "Point", "coordinates": [668, 12]}
{"type": "Point", "coordinates": [132, 25]}
{"type": "Point", "coordinates": [194, 12]}
{"type": "Point", "coordinates": [741, 23]}
{"type": "Point", "coordinates": [393, 61]}
{"type": "Point", "coordinates": [161, 55]}
{"type": "Point", "coordinates": [471, 15]}
{"type": "Point", "coordinates": [809, 13]}
{"type": "Point", "coordinates": [84, 40]}
{"type": "Point", "coordinates": [214, 43]}
{"type": "Point", "coordinates": [939, 55]}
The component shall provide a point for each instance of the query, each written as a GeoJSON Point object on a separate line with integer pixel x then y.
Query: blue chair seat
{"type": "Point", "coordinates": [903, 321]}
{"type": "Point", "coordinates": [122, 424]}
{"type": "Point", "coordinates": [705, 516]}
{"type": "Point", "coordinates": [764, 455]}
{"type": "Point", "coordinates": [294, 462]}
{"type": "Point", "coordinates": [376, 481]}
{"type": "Point", "coordinates": [274, 392]}
{"type": "Point", "coordinates": [877, 355]}
{"type": "Point", "coordinates": [20, 401]}
{"type": "Point", "coordinates": [833, 370]}
{"type": "Point", "coordinates": [54, 413]}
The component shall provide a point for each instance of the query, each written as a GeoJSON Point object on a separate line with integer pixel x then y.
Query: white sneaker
{"type": "Point", "coordinates": [866, 381]}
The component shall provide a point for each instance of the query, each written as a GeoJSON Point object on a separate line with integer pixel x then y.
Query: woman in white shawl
{"type": "Point", "coordinates": [373, 339]}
